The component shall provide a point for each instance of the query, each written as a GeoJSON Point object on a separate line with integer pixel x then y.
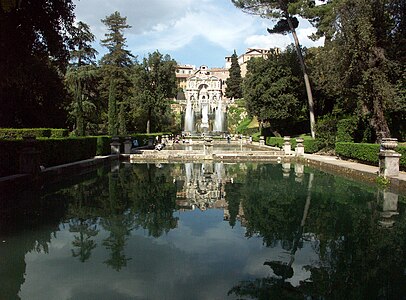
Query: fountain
{"type": "Point", "coordinates": [205, 106]}
{"type": "Point", "coordinates": [219, 117]}
{"type": "Point", "coordinates": [189, 117]}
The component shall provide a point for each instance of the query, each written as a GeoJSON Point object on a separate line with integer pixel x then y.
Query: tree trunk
{"type": "Point", "coordinates": [149, 120]}
{"type": "Point", "coordinates": [306, 79]}
{"type": "Point", "coordinates": [378, 121]}
{"type": "Point", "coordinates": [80, 130]}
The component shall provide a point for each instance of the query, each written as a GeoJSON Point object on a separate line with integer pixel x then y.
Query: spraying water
{"type": "Point", "coordinates": [219, 117]}
{"type": "Point", "coordinates": [205, 118]}
{"type": "Point", "coordinates": [189, 117]}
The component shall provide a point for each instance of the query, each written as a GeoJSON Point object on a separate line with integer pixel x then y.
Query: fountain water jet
{"type": "Point", "coordinates": [219, 117]}
{"type": "Point", "coordinates": [189, 117]}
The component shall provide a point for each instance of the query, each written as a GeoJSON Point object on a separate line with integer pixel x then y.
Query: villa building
{"type": "Point", "coordinates": [249, 54]}
{"type": "Point", "coordinates": [201, 96]}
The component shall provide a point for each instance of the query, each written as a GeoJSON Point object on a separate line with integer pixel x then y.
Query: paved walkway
{"type": "Point", "coordinates": [365, 172]}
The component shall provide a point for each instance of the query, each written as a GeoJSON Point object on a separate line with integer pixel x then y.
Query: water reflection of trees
{"type": "Point", "coordinates": [357, 258]}
{"type": "Point", "coordinates": [140, 196]}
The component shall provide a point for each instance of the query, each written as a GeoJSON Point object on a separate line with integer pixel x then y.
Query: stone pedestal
{"type": "Point", "coordinates": [286, 170]}
{"type": "Point", "coordinates": [115, 145]}
{"type": "Point", "coordinates": [299, 147]}
{"type": "Point", "coordinates": [127, 145]}
{"type": "Point", "coordinates": [389, 158]}
{"type": "Point", "coordinates": [287, 148]}
{"type": "Point", "coordinates": [261, 140]}
{"type": "Point", "coordinates": [29, 160]}
{"type": "Point", "coordinates": [299, 172]}
{"type": "Point", "coordinates": [208, 148]}
{"type": "Point", "coordinates": [389, 203]}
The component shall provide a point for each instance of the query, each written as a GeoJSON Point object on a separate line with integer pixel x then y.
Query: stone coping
{"type": "Point", "coordinates": [329, 164]}
{"type": "Point", "coordinates": [55, 173]}
{"type": "Point", "coordinates": [355, 170]}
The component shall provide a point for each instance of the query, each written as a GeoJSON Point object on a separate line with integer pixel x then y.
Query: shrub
{"type": "Point", "coordinates": [402, 150]}
{"type": "Point", "coordinates": [18, 133]}
{"type": "Point", "coordinates": [346, 129]}
{"type": "Point", "coordinates": [103, 145]}
{"type": "Point", "coordinates": [243, 126]}
{"type": "Point", "coordinates": [326, 130]}
{"type": "Point", "coordinates": [310, 145]}
{"type": "Point", "coordinates": [367, 153]}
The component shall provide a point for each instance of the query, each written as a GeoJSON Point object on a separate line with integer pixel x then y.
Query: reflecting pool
{"type": "Point", "coordinates": [203, 231]}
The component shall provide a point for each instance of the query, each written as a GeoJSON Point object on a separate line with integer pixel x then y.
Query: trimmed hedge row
{"type": "Point", "coordinates": [310, 145]}
{"type": "Point", "coordinates": [367, 153]}
{"type": "Point", "coordinates": [54, 151]}
{"type": "Point", "coordinates": [58, 151]}
{"type": "Point", "coordinates": [18, 133]}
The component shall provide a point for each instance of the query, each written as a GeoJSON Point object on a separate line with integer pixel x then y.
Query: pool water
{"type": "Point", "coordinates": [221, 147]}
{"type": "Point", "coordinates": [203, 231]}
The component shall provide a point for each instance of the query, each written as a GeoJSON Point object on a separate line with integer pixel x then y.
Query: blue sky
{"type": "Point", "coordinates": [196, 32]}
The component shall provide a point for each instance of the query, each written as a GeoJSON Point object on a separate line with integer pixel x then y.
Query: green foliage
{"type": "Point", "coordinates": [255, 136]}
{"type": "Point", "coordinates": [310, 145]}
{"type": "Point", "coordinates": [346, 129]}
{"type": "Point", "coordinates": [34, 54]}
{"type": "Point", "coordinates": [18, 133]}
{"type": "Point", "coordinates": [53, 151]}
{"type": "Point", "coordinates": [243, 126]}
{"type": "Point", "coordinates": [115, 66]}
{"type": "Point", "coordinates": [402, 160]}
{"type": "Point", "coordinates": [361, 61]}
{"type": "Point", "coordinates": [80, 76]}
{"type": "Point", "coordinates": [363, 152]}
{"type": "Point", "coordinates": [234, 81]}
{"type": "Point", "coordinates": [235, 115]}
{"type": "Point", "coordinates": [154, 85]}
{"type": "Point", "coordinates": [382, 181]}
{"type": "Point", "coordinates": [103, 145]}
{"type": "Point", "coordinates": [112, 112]}
{"type": "Point", "coordinates": [271, 89]}
{"type": "Point", "coordinates": [326, 130]}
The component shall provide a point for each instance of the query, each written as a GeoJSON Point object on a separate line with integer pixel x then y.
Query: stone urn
{"type": "Point", "coordinates": [389, 144]}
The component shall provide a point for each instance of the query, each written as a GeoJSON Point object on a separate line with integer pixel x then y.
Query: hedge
{"type": "Point", "coordinates": [367, 153]}
{"type": "Point", "coordinates": [310, 145]}
{"type": "Point", "coordinates": [54, 151]}
{"type": "Point", "coordinates": [58, 151]}
{"type": "Point", "coordinates": [18, 133]}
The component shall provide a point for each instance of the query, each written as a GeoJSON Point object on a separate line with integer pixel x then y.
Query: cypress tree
{"type": "Point", "coordinates": [116, 65]}
{"type": "Point", "coordinates": [112, 113]}
{"type": "Point", "coordinates": [122, 129]}
{"type": "Point", "coordinates": [233, 89]}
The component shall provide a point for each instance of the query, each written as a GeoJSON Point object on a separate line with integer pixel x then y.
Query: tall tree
{"type": "Point", "coordinates": [116, 64]}
{"type": "Point", "coordinates": [154, 85]}
{"type": "Point", "coordinates": [112, 112]}
{"type": "Point", "coordinates": [364, 60]}
{"type": "Point", "coordinates": [33, 37]}
{"type": "Point", "coordinates": [271, 90]}
{"type": "Point", "coordinates": [79, 73]}
{"type": "Point", "coordinates": [282, 10]}
{"type": "Point", "coordinates": [233, 89]}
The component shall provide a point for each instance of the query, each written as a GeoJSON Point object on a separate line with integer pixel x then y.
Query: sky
{"type": "Point", "coordinates": [195, 32]}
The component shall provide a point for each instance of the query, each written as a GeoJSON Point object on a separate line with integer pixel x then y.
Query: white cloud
{"type": "Point", "coordinates": [216, 26]}
{"type": "Point", "coordinates": [281, 41]}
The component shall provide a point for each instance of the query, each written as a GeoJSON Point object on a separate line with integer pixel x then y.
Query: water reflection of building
{"type": "Point", "coordinates": [201, 185]}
